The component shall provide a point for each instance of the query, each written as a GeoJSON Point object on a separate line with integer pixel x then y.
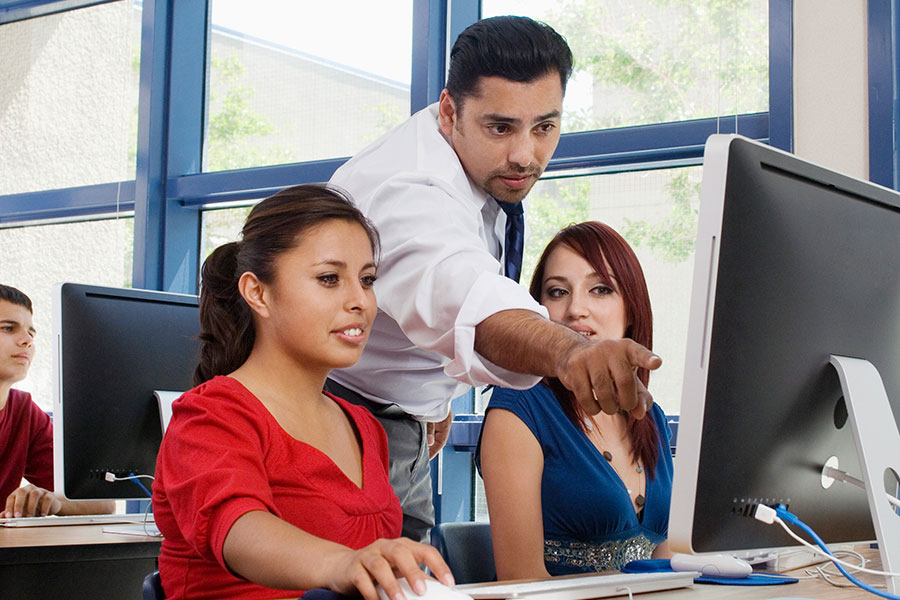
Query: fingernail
{"type": "Point", "coordinates": [420, 587]}
{"type": "Point", "coordinates": [448, 580]}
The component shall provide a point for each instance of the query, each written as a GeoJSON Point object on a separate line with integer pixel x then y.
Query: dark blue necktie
{"type": "Point", "coordinates": [515, 238]}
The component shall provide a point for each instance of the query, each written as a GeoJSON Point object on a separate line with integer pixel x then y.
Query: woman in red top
{"type": "Point", "coordinates": [266, 486]}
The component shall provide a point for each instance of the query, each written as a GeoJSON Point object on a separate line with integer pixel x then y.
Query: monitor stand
{"type": "Point", "coordinates": [878, 446]}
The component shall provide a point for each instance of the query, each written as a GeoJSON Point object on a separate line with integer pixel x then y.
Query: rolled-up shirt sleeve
{"type": "Point", "coordinates": [438, 280]}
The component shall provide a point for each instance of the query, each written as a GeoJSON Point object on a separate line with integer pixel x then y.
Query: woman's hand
{"type": "Point", "coordinates": [270, 552]}
{"type": "Point", "coordinates": [31, 501]}
{"type": "Point", "coordinates": [382, 562]}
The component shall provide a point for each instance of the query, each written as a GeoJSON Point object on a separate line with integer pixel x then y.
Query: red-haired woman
{"type": "Point", "coordinates": [569, 492]}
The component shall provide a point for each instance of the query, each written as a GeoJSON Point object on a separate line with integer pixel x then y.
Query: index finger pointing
{"type": "Point", "coordinates": [639, 356]}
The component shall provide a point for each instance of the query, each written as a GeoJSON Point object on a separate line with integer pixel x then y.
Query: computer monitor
{"type": "Point", "coordinates": [114, 348]}
{"type": "Point", "coordinates": [794, 263]}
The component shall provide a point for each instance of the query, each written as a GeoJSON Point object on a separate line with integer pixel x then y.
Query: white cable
{"type": "Point", "coordinates": [822, 571]}
{"type": "Point", "coordinates": [829, 557]}
{"type": "Point", "coordinates": [625, 588]}
{"type": "Point", "coordinates": [111, 477]}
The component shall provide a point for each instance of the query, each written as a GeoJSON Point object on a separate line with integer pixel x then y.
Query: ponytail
{"type": "Point", "coordinates": [225, 320]}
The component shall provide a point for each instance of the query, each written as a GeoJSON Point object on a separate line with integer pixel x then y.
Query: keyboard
{"type": "Point", "coordinates": [583, 586]}
{"type": "Point", "coordinates": [57, 520]}
{"type": "Point", "coordinates": [148, 529]}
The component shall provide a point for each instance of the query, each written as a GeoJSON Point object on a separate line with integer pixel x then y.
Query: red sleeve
{"type": "Point", "coordinates": [212, 461]}
{"type": "Point", "coordinates": [39, 464]}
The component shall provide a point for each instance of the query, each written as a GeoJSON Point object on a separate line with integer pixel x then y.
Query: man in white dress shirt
{"type": "Point", "coordinates": [438, 188]}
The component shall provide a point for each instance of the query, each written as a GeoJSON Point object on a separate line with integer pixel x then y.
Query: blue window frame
{"type": "Point", "coordinates": [19, 10]}
{"type": "Point", "coordinates": [884, 101]}
{"type": "Point", "coordinates": [170, 190]}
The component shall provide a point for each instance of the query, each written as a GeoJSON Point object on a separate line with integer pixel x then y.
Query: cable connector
{"type": "Point", "coordinates": [782, 511]}
{"type": "Point", "coordinates": [766, 514]}
{"type": "Point", "coordinates": [109, 477]}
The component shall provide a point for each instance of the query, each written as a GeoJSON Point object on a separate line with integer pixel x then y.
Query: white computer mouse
{"type": "Point", "coordinates": [712, 565]}
{"type": "Point", "coordinates": [436, 591]}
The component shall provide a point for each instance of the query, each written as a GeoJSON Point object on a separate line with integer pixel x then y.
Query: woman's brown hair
{"type": "Point", "coordinates": [273, 226]}
{"type": "Point", "coordinates": [599, 244]}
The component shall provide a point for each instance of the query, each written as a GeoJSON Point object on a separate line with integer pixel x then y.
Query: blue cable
{"type": "Point", "coordinates": [791, 518]}
{"type": "Point", "coordinates": [135, 479]}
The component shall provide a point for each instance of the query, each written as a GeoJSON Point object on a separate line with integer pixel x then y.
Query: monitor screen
{"type": "Point", "coordinates": [794, 263]}
{"type": "Point", "coordinates": [114, 348]}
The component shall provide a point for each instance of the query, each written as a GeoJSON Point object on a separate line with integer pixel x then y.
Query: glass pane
{"type": "Point", "coordinates": [655, 61]}
{"type": "Point", "coordinates": [68, 98]}
{"type": "Point", "coordinates": [656, 211]}
{"type": "Point", "coordinates": [297, 81]}
{"type": "Point", "coordinates": [37, 258]}
{"type": "Point", "coordinates": [220, 227]}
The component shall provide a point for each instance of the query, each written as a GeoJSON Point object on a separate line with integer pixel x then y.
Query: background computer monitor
{"type": "Point", "coordinates": [794, 263]}
{"type": "Point", "coordinates": [114, 348]}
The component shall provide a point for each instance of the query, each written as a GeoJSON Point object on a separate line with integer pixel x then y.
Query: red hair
{"type": "Point", "coordinates": [600, 244]}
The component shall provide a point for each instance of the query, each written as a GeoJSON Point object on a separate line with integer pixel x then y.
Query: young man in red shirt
{"type": "Point", "coordinates": [26, 433]}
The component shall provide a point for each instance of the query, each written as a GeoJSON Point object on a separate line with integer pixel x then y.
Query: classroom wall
{"type": "Point", "coordinates": [831, 107]}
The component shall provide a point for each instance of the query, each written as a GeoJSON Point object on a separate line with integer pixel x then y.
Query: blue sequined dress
{"type": "Point", "coordinates": [589, 520]}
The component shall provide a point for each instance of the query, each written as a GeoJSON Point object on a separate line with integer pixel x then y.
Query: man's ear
{"type": "Point", "coordinates": [255, 293]}
{"type": "Point", "coordinates": [447, 112]}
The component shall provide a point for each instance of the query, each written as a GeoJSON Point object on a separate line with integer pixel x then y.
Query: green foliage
{"type": "Point", "coordinates": [656, 61]}
{"type": "Point", "coordinates": [667, 60]}
{"type": "Point", "coordinates": [553, 206]}
{"type": "Point", "coordinates": [672, 238]}
{"type": "Point", "coordinates": [234, 127]}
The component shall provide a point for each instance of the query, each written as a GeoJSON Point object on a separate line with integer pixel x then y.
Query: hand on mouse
{"type": "Point", "coordinates": [382, 562]}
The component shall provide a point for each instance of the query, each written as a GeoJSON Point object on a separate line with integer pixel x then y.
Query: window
{"type": "Point", "coordinates": [277, 95]}
{"type": "Point", "coordinates": [292, 82]}
{"type": "Point", "coordinates": [650, 61]}
{"type": "Point", "coordinates": [36, 259]}
{"type": "Point", "coordinates": [68, 98]}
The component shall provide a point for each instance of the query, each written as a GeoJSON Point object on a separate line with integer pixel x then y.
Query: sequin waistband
{"type": "Point", "coordinates": [608, 556]}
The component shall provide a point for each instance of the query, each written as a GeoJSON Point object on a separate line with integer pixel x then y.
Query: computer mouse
{"type": "Point", "coordinates": [712, 565]}
{"type": "Point", "coordinates": [435, 591]}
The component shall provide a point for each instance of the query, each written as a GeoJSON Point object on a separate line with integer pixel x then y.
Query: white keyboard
{"type": "Point", "coordinates": [148, 529]}
{"type": "Point", "coordinates": [56, 520]}
{"type": "Point", "coordinates": [582, 587]}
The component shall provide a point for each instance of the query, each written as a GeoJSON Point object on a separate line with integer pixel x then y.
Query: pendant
{"type": "Point", "coordinates": [607, 455]}
{"type": "Point", "coordinates": [639, 501]}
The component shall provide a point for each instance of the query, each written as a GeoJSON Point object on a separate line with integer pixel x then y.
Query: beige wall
{"type": "Point", "coordinates": [831, 84]}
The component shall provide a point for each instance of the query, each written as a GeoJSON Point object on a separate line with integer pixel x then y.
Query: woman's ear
{"type": "Point", "coordinates": [255, 293]}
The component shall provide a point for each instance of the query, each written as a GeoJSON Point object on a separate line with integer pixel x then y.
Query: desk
{"type": "Point", "coordinates": [805, 588]}
{"type": "Point", "coordinates": [77, 561]}
{"type": "Point", "coordinates": [809, 588]}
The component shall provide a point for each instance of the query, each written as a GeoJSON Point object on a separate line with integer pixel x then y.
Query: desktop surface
{"type": "Point", "coordinates": [807, 589]}
{"type": "Point", "coordinates": [78, 561]}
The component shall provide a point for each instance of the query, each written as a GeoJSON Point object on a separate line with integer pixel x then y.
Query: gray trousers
{"type": "Point", "coordinates": [410, 471]}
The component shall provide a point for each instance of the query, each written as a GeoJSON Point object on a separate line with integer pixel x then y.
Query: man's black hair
{"type": "Point", "coordinates": [11, 294]}
{"type": "Point", "coordinates": [516, 48]}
